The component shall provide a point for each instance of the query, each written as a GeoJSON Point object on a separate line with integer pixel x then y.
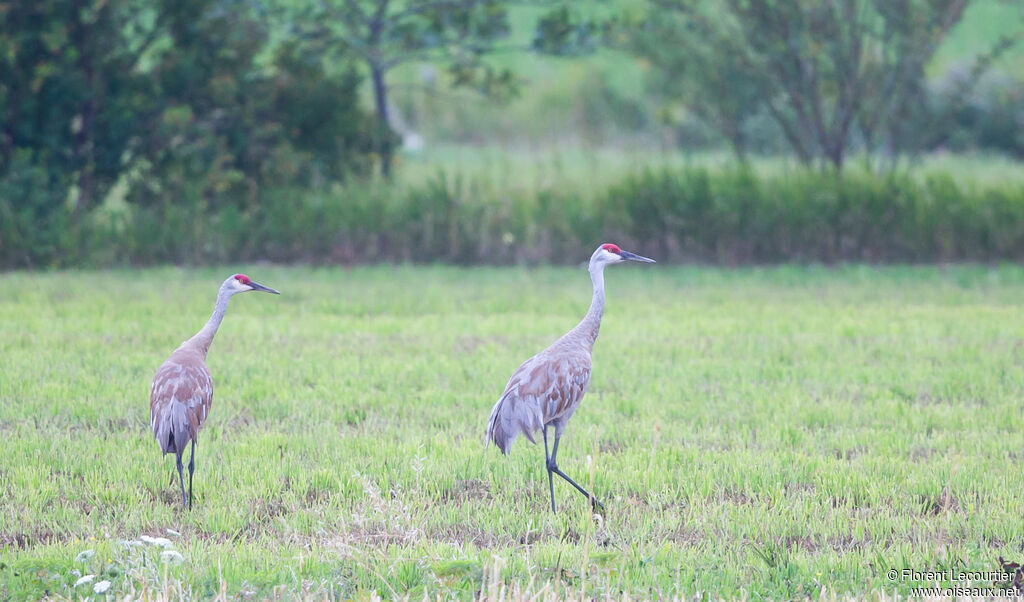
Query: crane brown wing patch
{"type": "Point", "coordinates": [543, 389]}
{"type": "Point", "coordinates": [558, 384]}
{"type": "Point", "coordinates": [179, 401]}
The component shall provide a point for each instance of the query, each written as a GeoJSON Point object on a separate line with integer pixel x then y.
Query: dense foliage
{"type": "Point", "coordinates": [180, 103]}
{"type": "Point", "coordinates": [728, 216]}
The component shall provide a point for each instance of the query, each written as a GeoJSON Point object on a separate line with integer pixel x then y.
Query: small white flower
{"type": "Point", "coordinates": [172, 557]}
{"type": "Point", "coordinates": [173, 533]}
{"type": "Point", "coordinates": [101, 587]}
{"type": "Point", "coordinates": [84, 580]}
{"type": "Point", "coordinates": [84, 555]}
{"type": "Point", "coordinates": [163, 542]}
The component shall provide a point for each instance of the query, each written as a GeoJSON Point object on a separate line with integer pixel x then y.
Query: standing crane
{"type": "Point", "coordinates": [182, 388]}
{"type": "Point", "coordinates": [547, 388]}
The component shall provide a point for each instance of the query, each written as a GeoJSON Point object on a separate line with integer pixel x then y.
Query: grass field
{"type": "Point", "coordinates": [756, 432]}
{"type": "Point", "coordinates": [590, 171]}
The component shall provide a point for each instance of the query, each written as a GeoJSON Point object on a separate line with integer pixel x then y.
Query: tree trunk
{"type": "Point", "coordinates": [734, 132]}
{"type": "Point", "coordinates": [380, 95]}
{"type": "Point", "coordinates": [836, 153]}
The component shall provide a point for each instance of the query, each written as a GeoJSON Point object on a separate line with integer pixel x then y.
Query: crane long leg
{"type": "Point", "coordinates": [553, 467]}
{"type": "Point", "coordinates": [191, 468]}
{"type": "Point", "coordinates": [181, 479]}
{"type": "Point", "coordinates": [547, 464]}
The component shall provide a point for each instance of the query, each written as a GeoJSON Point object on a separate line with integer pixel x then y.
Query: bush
{"type": "Point", "coordinates": [722, 216]}
{"type": "Point", "coordinates": [735, 217]}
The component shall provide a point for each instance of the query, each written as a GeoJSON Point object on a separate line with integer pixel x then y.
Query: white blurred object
{"type": "Point", "coordinates": [172, 557]}
{"type": "Point", "coordinates": [163, 542]}
{"type": "Point", "coordinates": [84, 580]}
{"type": "Point", "coordinates": [413, 142]}
{"type": "Point", "coordinates": [84, 555]}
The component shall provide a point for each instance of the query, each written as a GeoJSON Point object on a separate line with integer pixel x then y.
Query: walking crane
{"type": "Point", "coordinates": [547, 388]}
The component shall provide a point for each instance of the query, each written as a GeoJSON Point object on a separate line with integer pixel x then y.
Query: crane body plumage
{"type": "Point", "coordinates": [182, 391]}
{"type": "Point", "coordinates": [547, 389]}
{"type": "Point", "coordinates": [180, 399]}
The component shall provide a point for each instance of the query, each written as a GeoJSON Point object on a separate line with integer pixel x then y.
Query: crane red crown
{"type": "Point", "coordinates": [242, 278]}
{"type": "Point", "coordinates": [612, 248]}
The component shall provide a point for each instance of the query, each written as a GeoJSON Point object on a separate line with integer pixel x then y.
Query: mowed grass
{"type": "Point", "coordinates": [755, 432]}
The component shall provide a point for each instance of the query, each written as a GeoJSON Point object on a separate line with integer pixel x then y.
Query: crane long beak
{"type": "Point", "coordinates": [635, 257]}
{"type": "Point", "coordinates": [260, 287]}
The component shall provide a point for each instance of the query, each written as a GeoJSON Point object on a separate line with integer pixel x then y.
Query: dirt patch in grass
{"type": "Point", "coordinates": [800, 488]}
{"type": "Point", "coordinates": [169, 496]}
{"type": "Point", "coordinates": [239, 422]}
{"type": "Point", "coordinates": [635, 498]}
{"type": "Point", "coordinates": [801, 542]}
{"type": "Point", "coordinates": [23, 541]}
{"type": "Point", "coordinates": [546, 534]}
{"type": "Point", "coordinates": [935, 506]}
{"type": "Point", "coordinates": [316, 495]}
{"type": "Point", "coordinates": [848, 454]}
{"type": "Point", "coordinates": [921, 454]}
{"type": "Point", "coordinates": [467, 489]}
{"type": "Point", "coordinates": [467, 534]}
{"type": "Point", "coordinates": [267, 510]}
{"type": "Point", "coordinates": [847, 543]}
{"type": "Point", "coordinates": [738, 498]}
{"type": "Point", "coordinates": [379, 535]}
{"type": "Point", "coordinates": [685, 536]}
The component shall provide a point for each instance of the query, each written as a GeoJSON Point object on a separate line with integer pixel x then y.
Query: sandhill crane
{"type": "Point", "coordinates": [182, 388]}
{"type": "Point", "coordinates": [547, 388]}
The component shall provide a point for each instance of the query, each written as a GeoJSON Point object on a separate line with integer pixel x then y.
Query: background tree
{"type": "Point", "coordinates": [67, 93]}
{"type": "Point", "coordinates": [818, 69]}
{"type": "Point", "coordinates": [232, 113]}
{"type": "Point", "coordinates": [185, 103]}
{"type": "Point", "coordinates": [709, 85]}
{"type": "Point", "coordinates": [389, 33]}
{"type": "Point", "coordinates": [70, 96]}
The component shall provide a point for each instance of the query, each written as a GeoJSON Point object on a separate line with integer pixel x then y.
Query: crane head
{"type": "Point", "coordinates": [240, 283]}
{"type": "Point", "coordinates": [611, 253]}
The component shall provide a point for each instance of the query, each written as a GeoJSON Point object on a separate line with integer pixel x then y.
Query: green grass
{"type": "Point", "coordinates": [590, 171]}
{"type": "Point", "coordinates": [757, 432]}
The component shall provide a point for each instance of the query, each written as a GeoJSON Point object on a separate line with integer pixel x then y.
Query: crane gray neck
{"type": "Point", "coordinates": [204, 338]}
{"type": "Point", "coordinates": [590, 326]}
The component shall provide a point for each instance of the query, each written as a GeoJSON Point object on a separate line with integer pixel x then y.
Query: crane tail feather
{"type": "Point", "coordinates": [173, 428]}
{"type": "Point", "coordinates": [496, 430]}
